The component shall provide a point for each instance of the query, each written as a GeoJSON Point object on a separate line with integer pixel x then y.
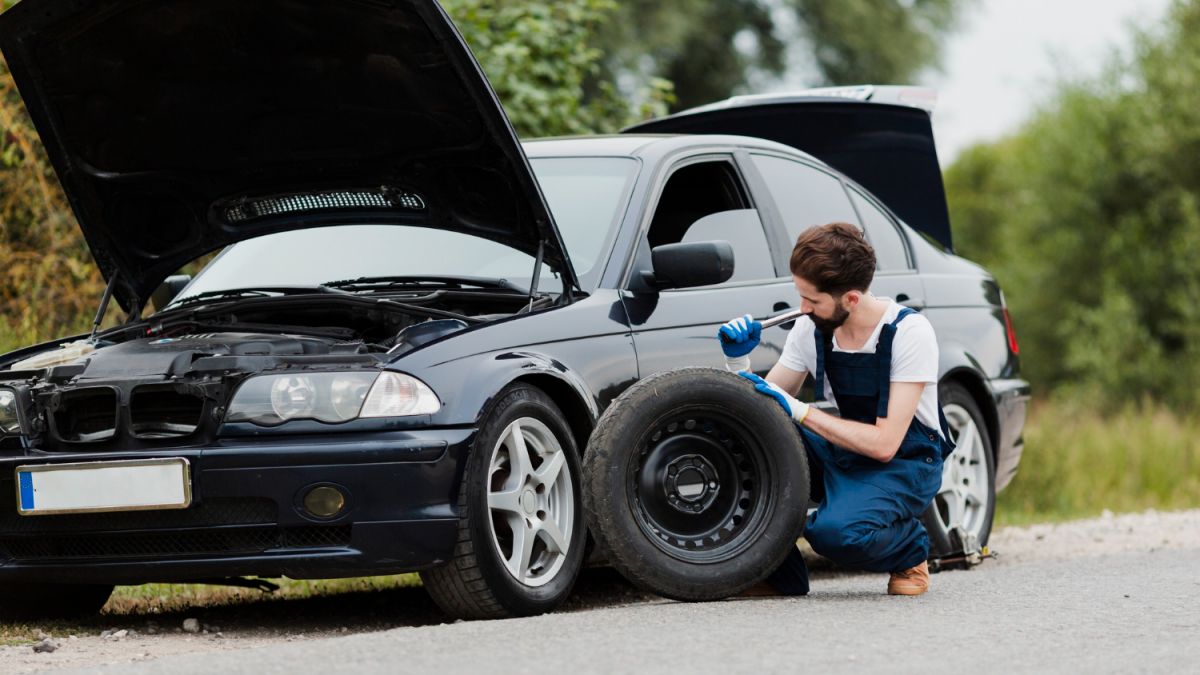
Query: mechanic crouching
{"type": "Point", "coordinates": [876, 468]}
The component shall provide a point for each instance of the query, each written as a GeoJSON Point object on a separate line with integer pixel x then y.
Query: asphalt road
{"type": "Point", "coordinates": [1130, 611]}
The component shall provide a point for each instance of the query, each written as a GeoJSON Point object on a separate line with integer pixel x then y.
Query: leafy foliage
{"type": "Point", "coordinates": [711, 49]}
{"type": "Point", "coordinates": [539, 56]}
{"type": "Point", "coordinates": [47, 281]}
{"type": "Point", "coordinates": [1090, 218]}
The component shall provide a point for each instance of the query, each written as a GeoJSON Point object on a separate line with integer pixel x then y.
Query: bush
{"type": "Point", "coordinates": [1090, 219]}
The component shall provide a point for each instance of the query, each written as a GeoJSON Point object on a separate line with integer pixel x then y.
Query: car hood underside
{"type": "Point", "coordinates": [179, 126]}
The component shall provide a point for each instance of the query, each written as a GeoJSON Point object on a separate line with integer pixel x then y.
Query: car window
{"type": "Point", "coordinates": [806, 196]}
{"type": "Point", "coordinates": [705, 201]}
{"type": "Point", "coordinates": [890, 252]}
{"type": "Point", "coordinates": [744, 231]}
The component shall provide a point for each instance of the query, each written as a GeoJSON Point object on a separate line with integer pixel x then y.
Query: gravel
{"type": "Point", "coordinates": [1115, 593]}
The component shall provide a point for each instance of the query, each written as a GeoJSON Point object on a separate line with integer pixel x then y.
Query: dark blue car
{"type": "Point", "coordinates": [397, 359]}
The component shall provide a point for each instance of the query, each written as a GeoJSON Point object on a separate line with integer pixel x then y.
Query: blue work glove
{"type": "Point", "coordinates": [795, 408]}
{"type": "Point", "coordinates": [740, 336]}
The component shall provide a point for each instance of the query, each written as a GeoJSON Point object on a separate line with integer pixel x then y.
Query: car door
{"type": "Point", "coordinates": [703, 198]}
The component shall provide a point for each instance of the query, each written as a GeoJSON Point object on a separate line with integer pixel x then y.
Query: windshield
{"type": "Point", "coordinates": [587, 197]}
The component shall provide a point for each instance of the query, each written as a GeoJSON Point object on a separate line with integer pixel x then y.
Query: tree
{"type": "Point", "coordinates": [539, 56]}
{"type": "Point", "coordinates": [1090, 218]}
{"type": "Point", "coordinates": [710, 49]}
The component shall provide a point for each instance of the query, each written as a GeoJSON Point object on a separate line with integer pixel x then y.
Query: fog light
{"type": "Point", "coordinates": [324, 501]}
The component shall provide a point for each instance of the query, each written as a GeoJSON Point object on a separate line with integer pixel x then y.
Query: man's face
{"type": "Point", "coordinates": [826, 311]}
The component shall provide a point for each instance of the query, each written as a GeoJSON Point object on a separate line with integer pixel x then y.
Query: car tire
{"type": "Point", "coordinates": [520, 486]}
{"type": "Point", "coordinates": [695, 485]}
{"type": "Point", "coordinates": [967, 497]}
{"type": "Point", "coordinates": [51, 601]}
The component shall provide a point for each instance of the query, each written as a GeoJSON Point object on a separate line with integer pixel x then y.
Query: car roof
{"type": "Point", "coordinates": [643, 145]}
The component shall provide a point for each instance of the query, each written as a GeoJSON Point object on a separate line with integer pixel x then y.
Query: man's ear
{"type": "Point", "coordinates": [850, 300]}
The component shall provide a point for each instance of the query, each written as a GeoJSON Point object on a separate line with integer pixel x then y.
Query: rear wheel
{"type": "Point", "coordinates": [695, 485]}
{"type": "Point", "coordinates": [51, 601]}
{"type": "Point", "coordinates": [521, 530]}
{"type": "Point", "coordinates": [966, 501]}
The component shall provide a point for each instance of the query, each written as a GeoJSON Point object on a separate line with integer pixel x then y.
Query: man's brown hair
{"type": "Point", "coordinates": [835, 258]}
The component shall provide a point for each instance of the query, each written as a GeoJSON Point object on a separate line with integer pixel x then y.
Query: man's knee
{"type": "Point", "coordinates": [842, 541]}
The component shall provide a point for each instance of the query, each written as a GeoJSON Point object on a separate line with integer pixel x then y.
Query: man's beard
{"type": "Point", "coordinates": [826, 326]}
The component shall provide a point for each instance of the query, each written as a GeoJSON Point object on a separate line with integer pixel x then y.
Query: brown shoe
{"type": "Point", "coordinates": [912, 581]}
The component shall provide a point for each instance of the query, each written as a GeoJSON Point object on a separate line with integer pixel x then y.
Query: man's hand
{"type": "Point", "coordinates": [797, 410]}
{"type": "Point", "coordinates": [740, 336]}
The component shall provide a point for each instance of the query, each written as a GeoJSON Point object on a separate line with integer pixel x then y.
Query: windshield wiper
{"type": "Point", "coordinates": [263, 292]}
{"type": "Point", "coordinates": [423, 282]}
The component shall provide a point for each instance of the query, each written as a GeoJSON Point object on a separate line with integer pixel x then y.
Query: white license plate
{"type": "Point", "coordinates": [135, 485]}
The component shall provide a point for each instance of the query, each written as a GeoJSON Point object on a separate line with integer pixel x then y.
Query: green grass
{"type": "Point", "coordinates": [1079, 462]}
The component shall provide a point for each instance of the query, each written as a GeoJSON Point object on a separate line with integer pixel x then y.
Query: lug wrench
{"type": "Point", "coordinates": [782, 318]}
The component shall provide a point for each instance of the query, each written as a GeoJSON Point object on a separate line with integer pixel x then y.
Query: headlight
{"type": "Point", "coordinates": [10, 421]}
{"type": "Point", "coordinates": [330, 397]}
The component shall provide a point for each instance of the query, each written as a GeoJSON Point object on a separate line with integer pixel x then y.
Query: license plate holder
{"type": "Point", "coordinates": [94, 487]}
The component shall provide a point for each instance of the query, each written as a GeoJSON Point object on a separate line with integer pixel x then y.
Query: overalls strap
{"type": "Point", "coordinates": [824, 342]}
{"type": "Point", "coordinates": [883, 354]}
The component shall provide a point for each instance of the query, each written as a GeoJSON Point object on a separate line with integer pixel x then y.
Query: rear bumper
{"type": "Point", "coordinates": [247, 517]}
{"type": "Point", "coordinates": [1012, 401]}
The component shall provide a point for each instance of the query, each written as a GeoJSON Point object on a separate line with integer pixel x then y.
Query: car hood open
{"type": "Point", "coordinates": [886, 147]}
{"type": "Point", "coordinates": [180, 126]}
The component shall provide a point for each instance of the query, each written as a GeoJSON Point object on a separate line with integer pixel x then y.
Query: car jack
{"type": "Point", "coordinates": [965, 552]}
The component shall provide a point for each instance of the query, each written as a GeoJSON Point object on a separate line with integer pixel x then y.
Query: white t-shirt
{"type": "Point", "coordinates": [914, 356]}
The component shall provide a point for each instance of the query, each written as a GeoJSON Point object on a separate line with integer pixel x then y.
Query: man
{"type": "Point", "coordinates": [878, 466]}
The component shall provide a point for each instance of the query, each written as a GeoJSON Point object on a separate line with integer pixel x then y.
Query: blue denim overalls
{"type": "Point", "coordinates": [869, 512]}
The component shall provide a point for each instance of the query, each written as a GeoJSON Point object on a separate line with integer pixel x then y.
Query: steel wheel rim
{"type": "Point", "coordinates": [962, 500]}
{"type": "Point", "coordinates": [726, 523]}
{"type": "Point", "coordinates": [531, 502]}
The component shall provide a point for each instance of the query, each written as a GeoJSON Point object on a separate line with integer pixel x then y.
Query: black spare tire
{"type": "Point", "coordinates": [695, 485]}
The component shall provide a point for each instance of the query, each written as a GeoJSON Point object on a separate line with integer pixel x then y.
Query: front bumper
{"type": "Point", "coordinates": [246, 516]}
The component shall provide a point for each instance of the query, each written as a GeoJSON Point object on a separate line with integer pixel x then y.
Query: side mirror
{"type": "Point", "coordinates": [700, 263]}
{"type": "Point", "coordinates": [168, 289]}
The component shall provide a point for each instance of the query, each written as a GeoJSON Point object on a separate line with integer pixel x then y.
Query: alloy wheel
{"type": "Point", "coordinates": [531, 501]}
{"type": "Point", "coordinates": [962, 500]}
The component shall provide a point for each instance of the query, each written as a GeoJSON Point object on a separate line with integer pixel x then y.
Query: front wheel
{"type": "Point", "coordinates": [521, 533]}
{"type": "Point", "coordinates": [966, 502]}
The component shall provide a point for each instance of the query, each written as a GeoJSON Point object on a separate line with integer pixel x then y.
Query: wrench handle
{"type": "Point", "coordinates": [782, 318]}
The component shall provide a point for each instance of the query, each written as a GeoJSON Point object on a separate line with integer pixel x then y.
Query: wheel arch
{"type": "Point", "coordinates": [977, 388]}
{"type": "Point", "coordinates": [579, 416]}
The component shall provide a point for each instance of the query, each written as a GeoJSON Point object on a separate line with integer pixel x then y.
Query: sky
{"type": "Point", "coordinates": [1004, 59]}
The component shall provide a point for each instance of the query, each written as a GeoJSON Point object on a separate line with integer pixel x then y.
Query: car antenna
{"type": "Point", "coordinates": [537, 274]}
{"type": "Point", "coordinates": [108, 293]}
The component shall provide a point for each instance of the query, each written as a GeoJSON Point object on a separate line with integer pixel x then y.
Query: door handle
{"type": "Point", "coordinates": [903, 299]}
